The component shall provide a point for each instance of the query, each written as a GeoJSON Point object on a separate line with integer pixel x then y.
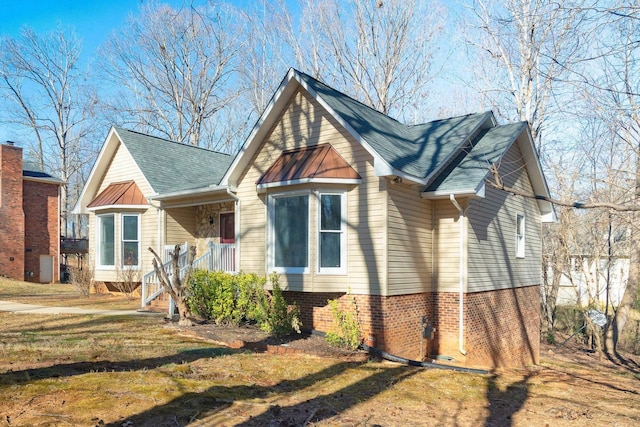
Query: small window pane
{"type": "Point", "coordinates": [291, 231]}
{"type": "Point", "coordinates": [520, 236]}
{"type": "Point", "coordinates": [106, 240]}
{"type": "Point", "coordinates": [130, 253]}
{"type": "Point", "coordinates": [329, 250]}
{"type": "Point", "coordinates": [130, 227]}
{"type": "Point", "coordinates": [331, 212]}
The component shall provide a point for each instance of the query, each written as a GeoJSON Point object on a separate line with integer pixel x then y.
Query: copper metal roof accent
{"type": "Point", "coordinates": [320, 161]}
{"type": "Point", "coordinates": [119, 193]}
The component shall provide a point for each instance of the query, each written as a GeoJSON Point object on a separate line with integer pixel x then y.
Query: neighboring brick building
{"type": "Point", "coordinates": [29, 219]}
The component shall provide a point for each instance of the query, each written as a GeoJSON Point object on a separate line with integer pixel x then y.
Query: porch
{"type": "Point", "coordinates": [209, 227]}
{"type": "Point", "coordinates": [218, 257]}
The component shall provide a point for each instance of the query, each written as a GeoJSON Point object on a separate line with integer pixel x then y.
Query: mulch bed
{"type": "Point", "coordinates": [250, 337]}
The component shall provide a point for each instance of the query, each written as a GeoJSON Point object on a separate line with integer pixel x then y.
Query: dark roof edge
{"type": "Point", "coordinates": [118, 128]}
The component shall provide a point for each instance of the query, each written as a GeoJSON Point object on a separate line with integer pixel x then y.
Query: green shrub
{"type": "Point", "coordinates": [199, 294]}
{"type": "Point", "coordinates": [346, 326]}
{"type": "Point", "coordinates": [273, 314]}
{"type": "Point", "coordinates": [223, 297]}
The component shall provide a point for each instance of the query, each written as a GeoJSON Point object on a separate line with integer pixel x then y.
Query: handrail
{"type": "Point", "coordinates": [219, 257]}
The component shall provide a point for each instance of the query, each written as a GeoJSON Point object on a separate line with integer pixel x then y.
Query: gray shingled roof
{"type": "Point", "coordinates": [171, 166]}
{"type": "Point", "coordinates": [417, 150]}
{"type": "Point", "coordinates": [472, 166]}
{"type": "Point", "coordinates": [33, 170]}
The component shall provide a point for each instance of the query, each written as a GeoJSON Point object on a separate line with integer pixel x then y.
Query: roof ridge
{"type": "Point", "coordinates": [461, 116]}
{"type": "Point", "coordinates": [170, 140]}
{"type": "Point", "coordinates": [350, 97]}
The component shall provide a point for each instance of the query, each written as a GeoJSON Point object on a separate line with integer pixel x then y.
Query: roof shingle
{"type": "Point", "coordinates": [171, 166]}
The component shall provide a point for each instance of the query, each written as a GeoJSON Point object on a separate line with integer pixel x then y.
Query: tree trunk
{"type": "Point", "coordinates": [622, 313]}
{"type": "Point", "coordinates": [174, 285]}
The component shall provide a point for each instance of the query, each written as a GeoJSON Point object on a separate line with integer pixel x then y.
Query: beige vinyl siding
{"type": "Point", "coordinates": [180, 225]}
{"type": "Point", "coordinates": [492, 233]}
{"type": "Point", "coordinates": [123, 168]}
{"type": "Point", "coordinates": [410, 240]}
{"type": "Point", "coordinates": [305, 123]}
{"type": "Point", "coordinates": [446, 249]}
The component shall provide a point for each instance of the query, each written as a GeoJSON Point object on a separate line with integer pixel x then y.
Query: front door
{"type": "Point", "coordinates": [227, 227]}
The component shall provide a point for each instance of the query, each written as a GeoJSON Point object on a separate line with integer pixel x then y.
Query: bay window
{"type": "Point", "coordinates": [291, 243]}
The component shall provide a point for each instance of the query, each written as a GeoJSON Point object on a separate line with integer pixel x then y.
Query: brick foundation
{"type": "Point", "coordinates": [501, 327]}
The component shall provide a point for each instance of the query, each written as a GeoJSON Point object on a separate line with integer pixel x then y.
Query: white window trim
{"type": "Point", "coordinates": [98, 263]}
{"type": "Point", "coordinates": [122, 241]}
{"type": "Point", "coordinates": [271, 240]}
{"type": "Point", "coordinates": [342, 270]}
{"type": "Point", "coordinates": [521, 237]}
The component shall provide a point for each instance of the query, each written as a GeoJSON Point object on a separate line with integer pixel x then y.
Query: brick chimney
{"type": "Point", "coordinates": [11, 213]}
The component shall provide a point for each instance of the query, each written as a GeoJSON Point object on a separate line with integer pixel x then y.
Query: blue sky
{"type": "Point", "coordinates": [93, 20]}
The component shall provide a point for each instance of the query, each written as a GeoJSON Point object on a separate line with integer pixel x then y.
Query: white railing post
{"type": "Point", "coordinates": [143, 291]}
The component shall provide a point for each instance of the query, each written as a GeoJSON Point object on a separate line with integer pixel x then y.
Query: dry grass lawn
{"type": "Point", "coordinates": [71, 370]}
{"type": "Point", "coordinates": [61, 295]}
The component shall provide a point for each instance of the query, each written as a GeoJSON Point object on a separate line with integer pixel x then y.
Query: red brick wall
{"type": "Point", "coordinates": [502, 328]}
{"type": "Point", "coordinates": [40, 202]}
{"type": "Point", "coordinates": [11, 215]}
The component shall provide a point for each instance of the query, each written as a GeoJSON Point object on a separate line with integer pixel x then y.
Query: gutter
{"type": "Point", "coordinates": [191, 192]}
{"type": "Point", "coordinates": [463, 274]}
{"type": "Point", "coordinates": [236, 228]}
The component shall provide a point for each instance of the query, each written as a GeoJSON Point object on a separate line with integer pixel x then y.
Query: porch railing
{"type": "Point", "coordinates": [219, 257]}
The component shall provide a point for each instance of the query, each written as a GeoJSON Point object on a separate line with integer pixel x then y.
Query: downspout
{"type": "Point", "coordinates": [463, 274]}
{"type": "Point", "coordinates": [237, 228]}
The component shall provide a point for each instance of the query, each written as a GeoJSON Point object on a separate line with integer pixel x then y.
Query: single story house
{"type": "Point", "coordinates": [29, 219]}
{"type": "Point", "coordinates": [343, 201]}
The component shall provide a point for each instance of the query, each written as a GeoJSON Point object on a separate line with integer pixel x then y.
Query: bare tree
{"type": "Point", "coordinates": [523, 50]}
{"type": "Point", "coordinates": [47, 94]}
{"type": "Point", "coordinates": [381, 52]}
{"type": "Point", "coordinates": [174, 69]}
{"type": "Point", "coordinates": [175, 284]}
{"type": "Point", "coordinates": [266, 53]}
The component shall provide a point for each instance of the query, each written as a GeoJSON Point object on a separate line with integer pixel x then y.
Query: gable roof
{"type": "Point", "coordinates": [449, 156]}
{"type": "Point", "coordinates": [319, 163]}
{"type": "Point", "coordinates": [167, 166]}
{"type": "Point", "coordinates": [120, 193]}
{"type": "Point", "coordinates": [413, 152]}
{"type": "Point", "coordinates": [416, 150]}
{"type": "Point", "coordinates": [171, 166]}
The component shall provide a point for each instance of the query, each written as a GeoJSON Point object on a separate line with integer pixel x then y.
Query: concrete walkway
{"type": "Point", "coordinates": [17, 307]}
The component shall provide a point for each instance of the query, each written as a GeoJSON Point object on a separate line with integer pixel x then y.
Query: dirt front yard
{"type": "Point", "coordinates": [97, 370]}
{"type": "Point", "coordinates": [90, 370]}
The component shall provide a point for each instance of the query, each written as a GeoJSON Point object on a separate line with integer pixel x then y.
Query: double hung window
{"type": "Point", "coordinates": [291, 241]}
{"type": "Point", "coordinates": [331, 236]}
{"type": "Point", "coordinates": [128, 246]}
{"type": "Point", "coordinates": [130, 240]}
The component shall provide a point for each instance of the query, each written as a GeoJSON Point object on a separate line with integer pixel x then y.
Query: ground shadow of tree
{"type": "Point", "coordinates": [503, 404]}
{"type": "Point", "coordinates": [191, 406]}
{"type": "Point", "coordinates": [80, 368]}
